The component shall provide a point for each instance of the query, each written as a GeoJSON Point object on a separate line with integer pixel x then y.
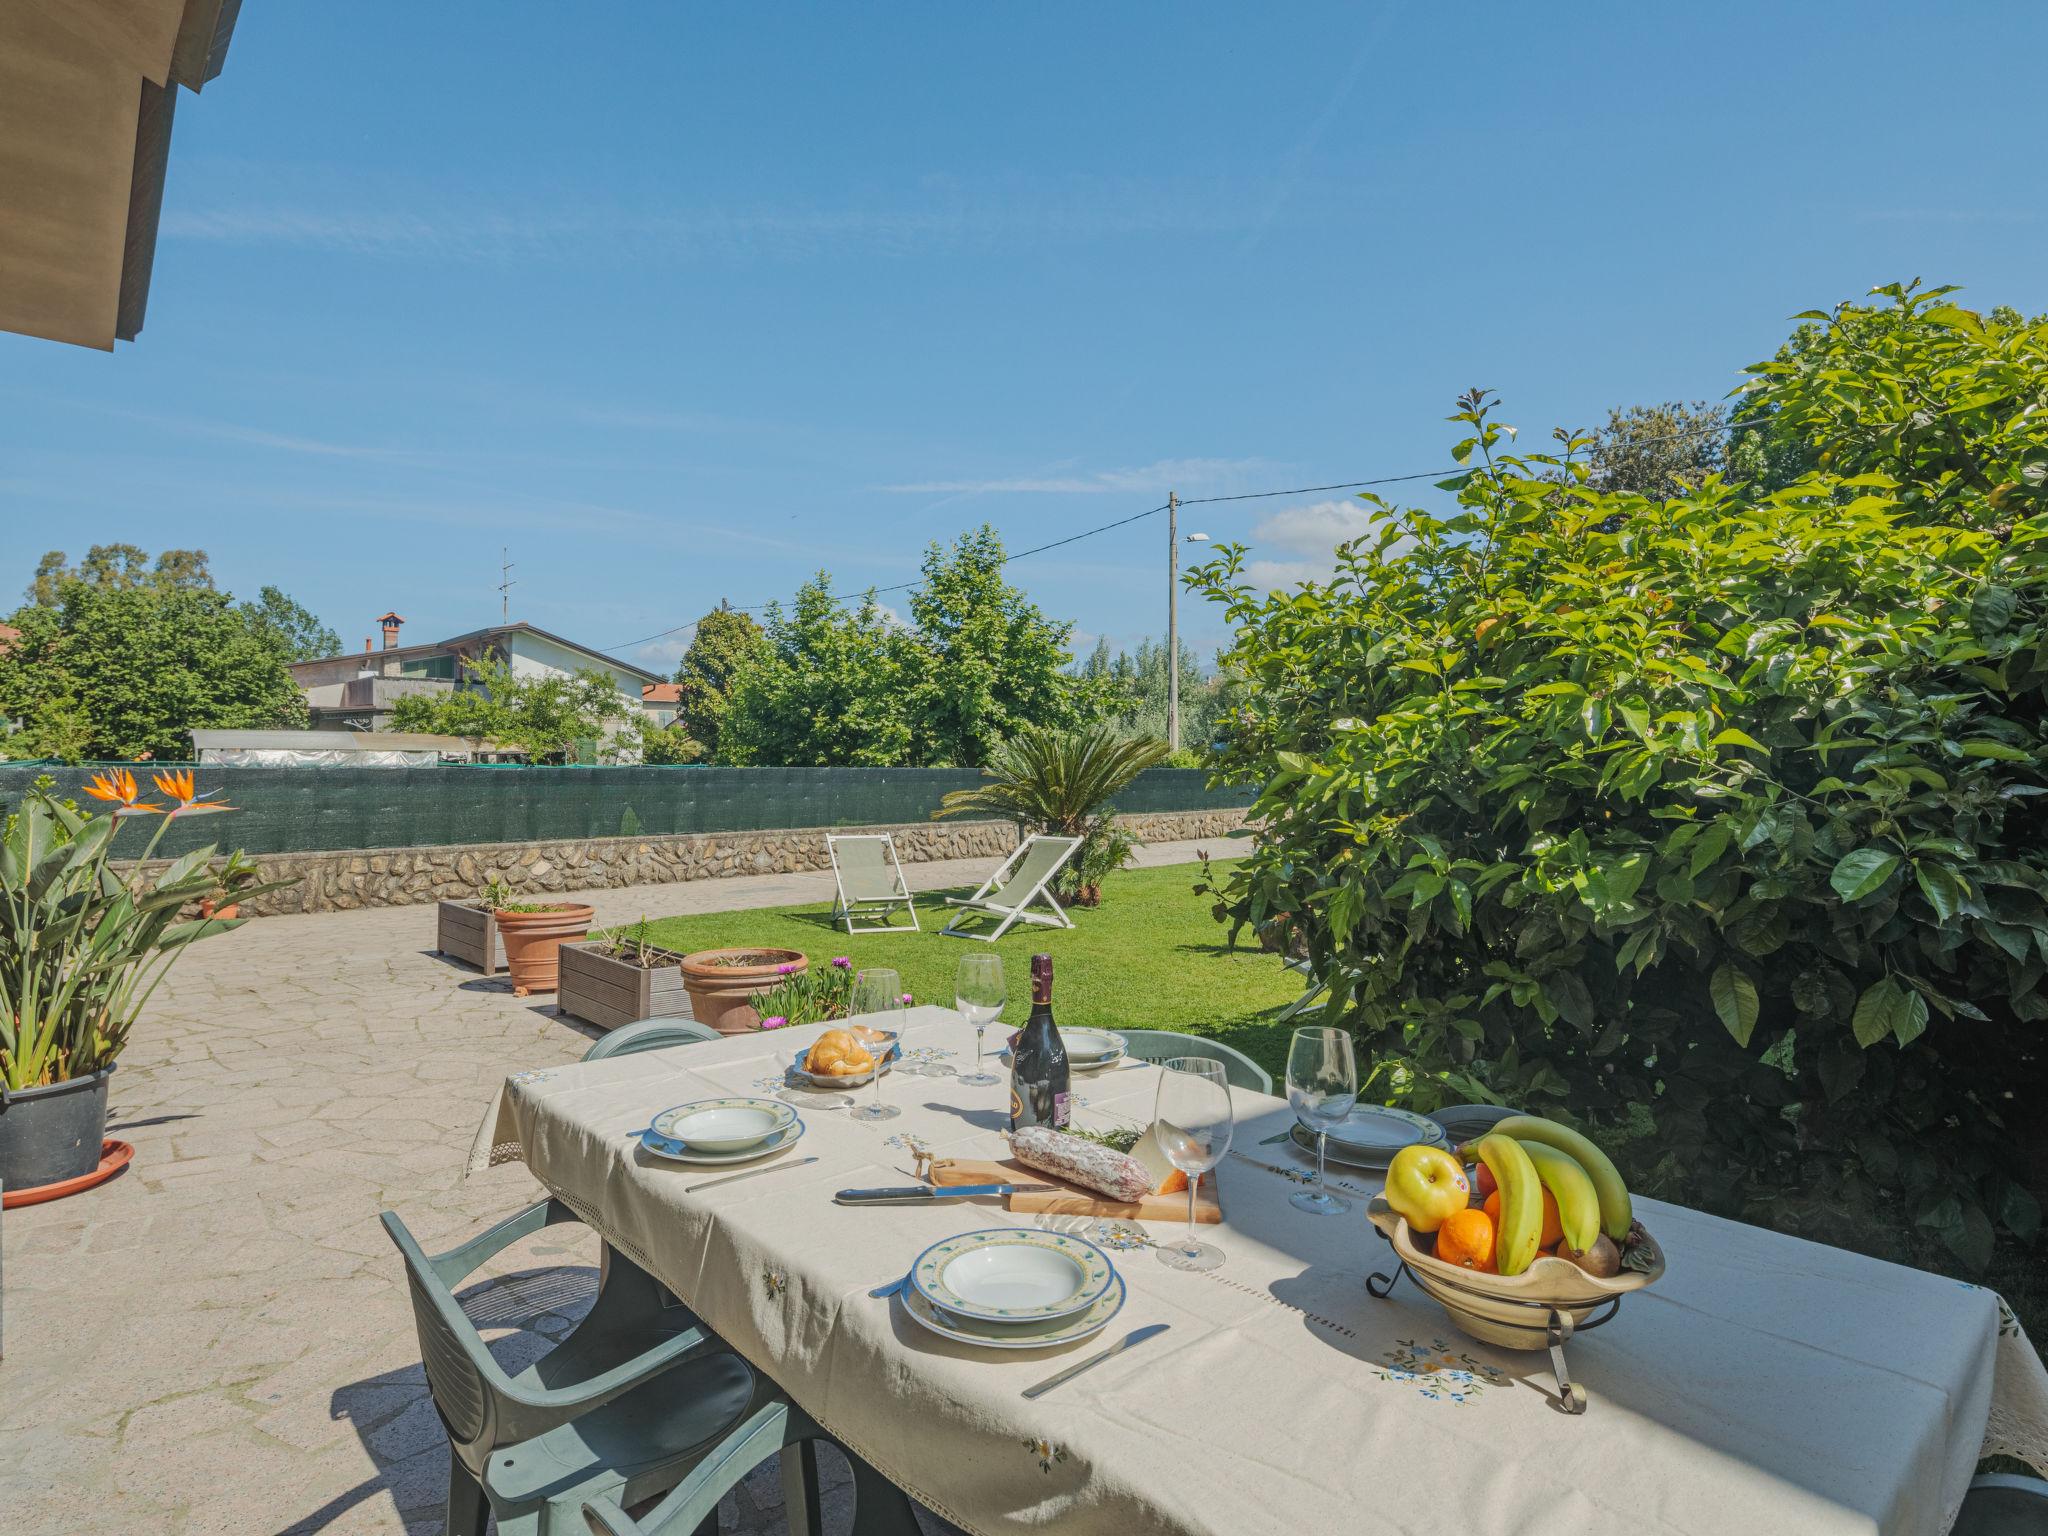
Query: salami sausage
{"type": "Point", "coordinates": [1079, 1161]}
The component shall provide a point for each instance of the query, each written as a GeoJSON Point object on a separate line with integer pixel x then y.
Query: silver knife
{"type": "Point", "coordinates": [922, 1194]}
{"type": "Point", "coordinates": [1135, 1336]}
{"type": "Point", "coordinates": [751, 1173]}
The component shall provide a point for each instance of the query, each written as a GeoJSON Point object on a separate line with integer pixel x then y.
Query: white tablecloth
{"type": "Point", "coordinates": [1764, 1385]}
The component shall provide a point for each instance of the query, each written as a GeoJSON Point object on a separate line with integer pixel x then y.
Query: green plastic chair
{"type": "Point", "coordinates": [622, 1406]}
{"type": "Point", "coordinates": [650, 1035]}
{"type": "Point", "coordinates": [880, 1508]}
{"type": "Point", "coordinates": [1239, 1070]}
{"type": "Point", "coordinates": [2000, 1504]}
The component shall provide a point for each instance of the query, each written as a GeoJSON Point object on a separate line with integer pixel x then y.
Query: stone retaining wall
{"type": "Point", "coordinates": [395, 877]}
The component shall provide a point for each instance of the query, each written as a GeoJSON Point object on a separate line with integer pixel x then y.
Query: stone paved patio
{"type": "Point", "coordinates": [219, 1341]}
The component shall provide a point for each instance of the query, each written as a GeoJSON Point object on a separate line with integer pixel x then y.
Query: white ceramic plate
{"type": "Point", "coordinates": [675, 1152]}
{"type": "Point", "coordinates": [1376, 1159]}
{"type": "Point", "coordinates": [1066, 1330]}
{"type": "Point", "coordinates": [1092, 1044]}
{"type": "Point", "coordinates": [1012, 1275]}
{"type": "Point", "coordinates": [1100, 1064]}
{"type": "Point", "coordinates": [1373, 1129]}
{"type": "Point", "coordinates": [723, 1125]}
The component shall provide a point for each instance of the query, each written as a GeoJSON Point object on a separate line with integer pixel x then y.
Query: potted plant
{"type": "Point", "coordinates": [82, 946]}
{"type": "Point", "coordinates": [621, 979]}
{"type": "Point", "coordinates": [1062, 782]}
{"type": "Point", "coordinates": [532, 933]}
{"type": "Point", "coordinates": [468, 930]}
{"type": "Point", "coordinates": [807, 996]}
{"type": "Point", "coordinates": [722, 984]}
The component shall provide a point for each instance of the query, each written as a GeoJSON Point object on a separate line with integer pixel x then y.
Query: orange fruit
{"type": "Point", "coordinates": [1553, 1224]}
{"type": "Point", "coordinates": [1466, 1240]}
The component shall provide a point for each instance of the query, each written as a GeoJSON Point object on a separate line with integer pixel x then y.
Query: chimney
{"type": "Point", "coordinates": [366, 645]}
{"type": "Point", "coordinates": [390, 621]}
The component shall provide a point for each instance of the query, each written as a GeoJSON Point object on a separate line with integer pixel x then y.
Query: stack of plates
{"type": "Point", "coordinates": [1371, 1134]}
{"type": "Point", "coordinates": [1013, 1288]}
{"type": "Point", "coordinates": [711, 1131]}
{"type": "Point", "coordinates": [1092, 1050]}
{"type": "Point", "coordinates": [1088, 1050]}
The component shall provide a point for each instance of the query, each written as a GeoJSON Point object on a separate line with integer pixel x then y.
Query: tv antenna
{"type": "Point", "coordinates": [505, 586]}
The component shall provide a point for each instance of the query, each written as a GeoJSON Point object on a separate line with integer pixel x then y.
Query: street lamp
{"type": "Point", "coordinates": [1173, 543]}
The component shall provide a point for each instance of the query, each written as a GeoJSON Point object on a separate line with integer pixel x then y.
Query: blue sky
{"type": "Point", "coordinates": [682, 303]}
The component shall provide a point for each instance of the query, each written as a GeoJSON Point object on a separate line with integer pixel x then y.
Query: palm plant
{"type": "Point", "coordinates": [1062, 782]}
{"type": "Point", "coordinates": [83, 945]}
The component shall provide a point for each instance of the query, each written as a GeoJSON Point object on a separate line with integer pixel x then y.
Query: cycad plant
{"type": "Point", "coordinates": [1062, 782]}
{"type": "Point", "coordinates": [82, 945]}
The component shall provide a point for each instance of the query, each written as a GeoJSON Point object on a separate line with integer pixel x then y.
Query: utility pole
{"type": "Point", "coordinates": [505, 586]}
{"type": "Point", "coordinates": [1173, 621]}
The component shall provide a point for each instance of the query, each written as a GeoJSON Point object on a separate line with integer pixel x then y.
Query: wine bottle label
{"type": "Point", "coordinates": [1016, 1108]}
{"type": "Point", "coordinates": [1062, 1110]}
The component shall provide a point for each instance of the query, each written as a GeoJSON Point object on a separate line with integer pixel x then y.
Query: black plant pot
{"type": "Point", "coordinates": [52, 1133]}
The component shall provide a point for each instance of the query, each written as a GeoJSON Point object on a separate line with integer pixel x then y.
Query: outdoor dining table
{"type": "Point", "coordinates": [1765, 1384]}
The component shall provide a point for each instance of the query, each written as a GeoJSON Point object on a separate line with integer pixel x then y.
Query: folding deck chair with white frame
{"type": "Point", "coordinates": [869, 879]}
{"type": "Point", "coordinates": [1024, 877]}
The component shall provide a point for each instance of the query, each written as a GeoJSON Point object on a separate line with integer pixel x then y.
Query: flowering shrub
{"type": "Point", "coordinates": [809, 998]}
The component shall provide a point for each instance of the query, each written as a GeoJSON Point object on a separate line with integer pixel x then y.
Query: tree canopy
{"type": "Point", "coordinates": [976, 663]}
{"type": "Point", "coordinates": [119, 566]}
{"type": "Point", "coordinates": [1714, 819]}
{"type": "Point", "coordinates": [121, 670]}
{"type": "Point", "coordinates": [289, 626]}
{"type": "Point", "coordinates": [547, 717]}
{"type": "Point", "coordinates": [725, 645]}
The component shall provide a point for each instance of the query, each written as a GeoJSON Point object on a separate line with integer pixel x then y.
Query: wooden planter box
{"type": "Point", "coordinates": [606, 992]}
{"type": "Point", "coordinates": [469, 933]}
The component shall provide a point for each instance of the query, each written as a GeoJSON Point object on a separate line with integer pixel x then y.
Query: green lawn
{"type": "Point", "coordinates": [1150, 957]}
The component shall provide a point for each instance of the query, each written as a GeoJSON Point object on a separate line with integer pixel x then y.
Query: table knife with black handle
{"type": "Point", "coordinates": [923, 1194]}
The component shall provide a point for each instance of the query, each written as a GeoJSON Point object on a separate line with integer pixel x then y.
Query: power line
{"type": "Point", "coordinates": [1203, 501]}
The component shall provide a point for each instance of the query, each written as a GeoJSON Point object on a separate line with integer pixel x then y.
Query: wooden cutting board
{"type": "Point", "coordinates": [1072, 1199]}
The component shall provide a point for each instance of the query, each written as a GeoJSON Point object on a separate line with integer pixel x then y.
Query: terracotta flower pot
{"type": "Point", "coordinates": [721, 982]}
{"type": "Point", "coordinates": [226, 912]}
{"type": "Point", "coordinates": [533, 943]}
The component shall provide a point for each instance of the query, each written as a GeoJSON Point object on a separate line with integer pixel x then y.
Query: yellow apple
{"type": "Point", "coordinates": [1426, 1185]}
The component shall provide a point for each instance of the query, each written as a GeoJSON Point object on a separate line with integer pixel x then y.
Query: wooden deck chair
{"type": "Point", "coordinates": [869, 880]}
{"type": "Point", "coordinates": [1024, 877]}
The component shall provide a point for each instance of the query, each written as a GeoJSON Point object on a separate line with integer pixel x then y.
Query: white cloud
{"type": "Point", "coordinates": [1308, 537]}
{"type": "Point", "coordinates": [663, 654]}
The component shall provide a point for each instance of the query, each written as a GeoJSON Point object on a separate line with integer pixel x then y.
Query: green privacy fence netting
{"type": "Point", "coordinates": [301, 810]}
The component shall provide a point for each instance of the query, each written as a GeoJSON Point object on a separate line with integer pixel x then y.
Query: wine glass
{"type": "Point", "coordinates": [1194, 1122]}
{"type": "Point", "coordinates": [878, 992]}
{"type": "Point", "coordinates": [978, 993]}
{"type": "Point", "coordinates": [1322, 1085]}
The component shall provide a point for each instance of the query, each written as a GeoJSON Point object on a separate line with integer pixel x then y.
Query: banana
{"type": "Point", "coordinates": [1578, 1202]}
{"type": "Point", "coordinates": [1521, 1201]}
{"type": "Point", "coordinates": [1616, 1213]}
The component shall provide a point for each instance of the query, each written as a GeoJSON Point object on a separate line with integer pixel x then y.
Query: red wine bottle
{"type": "Point", "coordinates": [1038, 1060]}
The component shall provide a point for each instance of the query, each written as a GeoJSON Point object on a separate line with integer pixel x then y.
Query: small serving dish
{"type": "Point", "coordinates": [723, 1125]}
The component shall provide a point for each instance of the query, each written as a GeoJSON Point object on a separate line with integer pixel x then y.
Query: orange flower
{"type": "Point", "coordinates": [117, 786]}
{"type": "Point", "coordinates": [177, 784]}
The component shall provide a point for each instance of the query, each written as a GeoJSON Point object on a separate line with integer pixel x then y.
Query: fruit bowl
{"type": "Point", "coordinates": [1512, 1311]}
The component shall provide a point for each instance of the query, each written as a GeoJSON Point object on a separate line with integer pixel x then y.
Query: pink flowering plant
{"type": "Point", "coordinates": [809, 997]}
